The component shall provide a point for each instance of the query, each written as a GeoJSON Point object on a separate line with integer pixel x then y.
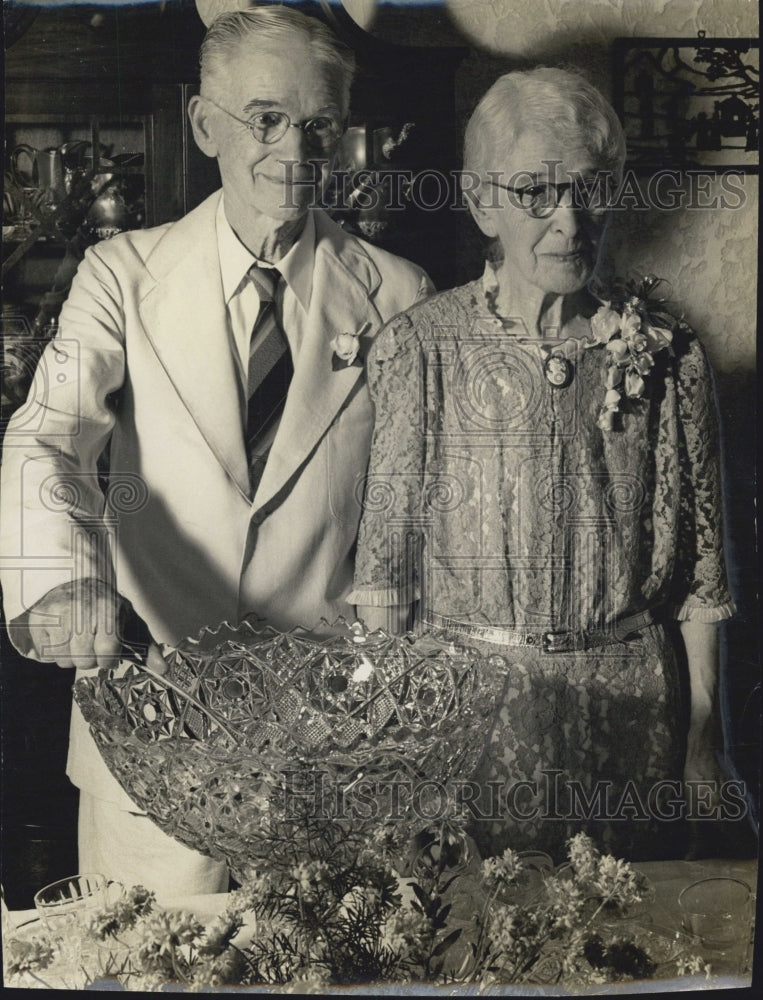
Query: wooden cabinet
{"type": "Point", "coordinates": [147, 171]}
{"type": "Point", "coordinates": [59, 197]}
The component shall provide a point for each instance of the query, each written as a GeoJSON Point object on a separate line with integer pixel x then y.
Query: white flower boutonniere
{"type": "Point", "coordinates": [633, 328]}
{"type": "Point", "coordinates": [346, 348]}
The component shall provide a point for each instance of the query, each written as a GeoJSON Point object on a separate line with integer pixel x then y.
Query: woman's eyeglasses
{"type": "Point", "coordinates": [322, 132]}
{"type": "Point", "coordinates": [542, 199]}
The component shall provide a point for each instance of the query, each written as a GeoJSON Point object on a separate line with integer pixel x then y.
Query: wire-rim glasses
{"type": "Point", "coordinates": [541, 199]}
{"type": "Point", "coordinates": [322, 132]}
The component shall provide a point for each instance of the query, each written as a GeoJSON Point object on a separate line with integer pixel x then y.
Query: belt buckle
{"type": "Point", "coordinates": [558, 642]}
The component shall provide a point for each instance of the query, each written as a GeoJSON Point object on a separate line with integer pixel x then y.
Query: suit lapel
{"type": "Point", "coordinates": [184, 316]}
{"type": "Point", "coordinates": [344, 281]}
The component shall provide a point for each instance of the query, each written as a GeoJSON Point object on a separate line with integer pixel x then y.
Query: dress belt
{"type": "Point", "coordinates": [547, 642]}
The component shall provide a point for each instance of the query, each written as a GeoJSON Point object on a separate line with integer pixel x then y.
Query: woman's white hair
{"type": "Point", "coordinates": [546, 100]}
{"type": "Point", "coordinates": [276, 24]}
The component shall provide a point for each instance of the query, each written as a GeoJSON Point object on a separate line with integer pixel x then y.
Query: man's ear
{"type": "Point", "coordinates": [483, 214]}
{"type": "Point", "coordinates": [200, 118]}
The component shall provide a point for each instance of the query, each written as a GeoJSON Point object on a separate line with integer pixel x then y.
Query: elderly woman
{"type": "Point", "coordinates": [544, 486]}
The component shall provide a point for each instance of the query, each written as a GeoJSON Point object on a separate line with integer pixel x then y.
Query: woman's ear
{"type": "Point", "coordinates": [201, 123]}
{"type": "Point", "coordinates": [482, 213]}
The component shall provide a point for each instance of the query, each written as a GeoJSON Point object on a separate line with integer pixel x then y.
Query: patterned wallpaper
{"type": "Point", "coordinates": [528, 27]}
{"type": "Point", "coordinates": [709, 256]}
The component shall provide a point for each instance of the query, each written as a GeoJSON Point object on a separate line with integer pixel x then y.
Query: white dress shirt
{"type": "Point", "coordinates": [241, 298]}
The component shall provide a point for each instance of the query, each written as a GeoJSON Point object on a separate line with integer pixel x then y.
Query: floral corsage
{"type": "Point", "coordinates": [633, 326]}
{"type": "Point", "coordinates": [346, 348]}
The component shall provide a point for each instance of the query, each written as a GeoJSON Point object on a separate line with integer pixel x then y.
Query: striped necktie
{"type": "Point", "coordinates": [270, 372]}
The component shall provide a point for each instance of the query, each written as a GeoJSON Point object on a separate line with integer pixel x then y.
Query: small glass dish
{"type": "Point", "coordinates": [716, 911]}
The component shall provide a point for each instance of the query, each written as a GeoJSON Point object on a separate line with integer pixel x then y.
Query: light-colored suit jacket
{"type": "Point", "coordinates": [143, 365]}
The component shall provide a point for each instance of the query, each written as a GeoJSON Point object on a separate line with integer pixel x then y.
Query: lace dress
{"type": "Point", "coordinates": [494, 497]}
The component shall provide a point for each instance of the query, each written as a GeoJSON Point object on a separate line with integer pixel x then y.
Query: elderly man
{"type": "Point", "coordinates": [201, 354]}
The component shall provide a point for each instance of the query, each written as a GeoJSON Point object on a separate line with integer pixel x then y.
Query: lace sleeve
{"type": "Point", "coordinates": [700, 591]}
{"type": "Point", "coordinates": [389, 541]}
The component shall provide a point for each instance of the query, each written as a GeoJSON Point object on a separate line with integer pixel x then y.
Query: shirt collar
{"type": "Point", "coordinates": [569, 347]}
{"type": "Point", "coordinates": [296, 267]}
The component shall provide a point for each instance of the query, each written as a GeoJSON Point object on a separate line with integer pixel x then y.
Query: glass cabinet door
{"type": "Point", "coordinates": [69, 181]}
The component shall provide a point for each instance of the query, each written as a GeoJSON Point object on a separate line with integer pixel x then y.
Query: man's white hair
{"type": "Point", "coordinates": [260, 25]}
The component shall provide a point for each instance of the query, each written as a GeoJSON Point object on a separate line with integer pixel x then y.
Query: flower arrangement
{"type": "Point", "coordinates": [560, 937]}
{"type": "Point", "coordinates": [27, 957]}
{"type": "Point", "coordinates": [633, 327]}
{"type": "Point", "coordinates": [315, 924]}
{"type": "Point", "coordinates": [273, 752]}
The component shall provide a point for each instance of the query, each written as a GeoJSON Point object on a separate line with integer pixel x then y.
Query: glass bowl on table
{"type": "Point", "coordinates": [250, 727]}
{"type": "Point", "coordinates": [718, 913]}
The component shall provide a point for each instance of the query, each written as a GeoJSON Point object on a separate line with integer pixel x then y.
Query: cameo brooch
{"type": "Point", "coordinates": [558, 370]}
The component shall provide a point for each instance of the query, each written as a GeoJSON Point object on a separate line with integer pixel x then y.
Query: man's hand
{"type": "Point", "coordinates": [80, 624]}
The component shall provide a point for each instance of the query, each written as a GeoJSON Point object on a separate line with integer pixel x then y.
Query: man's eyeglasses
{"type": "Point", "coordinates": [542, 199]}
{"type": "Point", "coordinates": [322, 132]}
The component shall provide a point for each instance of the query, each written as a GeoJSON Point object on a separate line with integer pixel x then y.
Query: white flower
{"type": "Point", "coordinates": [310, 876]}
{"type": "Point", "coordinates": [634, 384]}
{"type": "Point", "coordinates": [406, 932]}
{"type": "Point", "coordinates": [499, 873]}
{"type": "Point", "coordinates": [24, 955]}
{"type": "Point", "coordinates": [583, 855]}
{"type": "Point", "coordinates": [637, 342]}
{"type": "Point", "coordinates": [643, 363]}
{"type": "Point", "coordinates": [612, 399]}
{"type": "Point", "coordinates": [606, 420]}
{"type": "Point", "coordinates": [346, 345]}
{"type": "Point", "coordinates": [631, 339]}
{"type": "Point", "coordinates": [605, 323]}
{"type": "Point", "coordinates": [614, 376]}
{"type": "Point", "coordinates": [618, 349]}
{"type": "Point", "coordinates": [631, 324]}
{"type": "Point", "coordinates": [658, 336]}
